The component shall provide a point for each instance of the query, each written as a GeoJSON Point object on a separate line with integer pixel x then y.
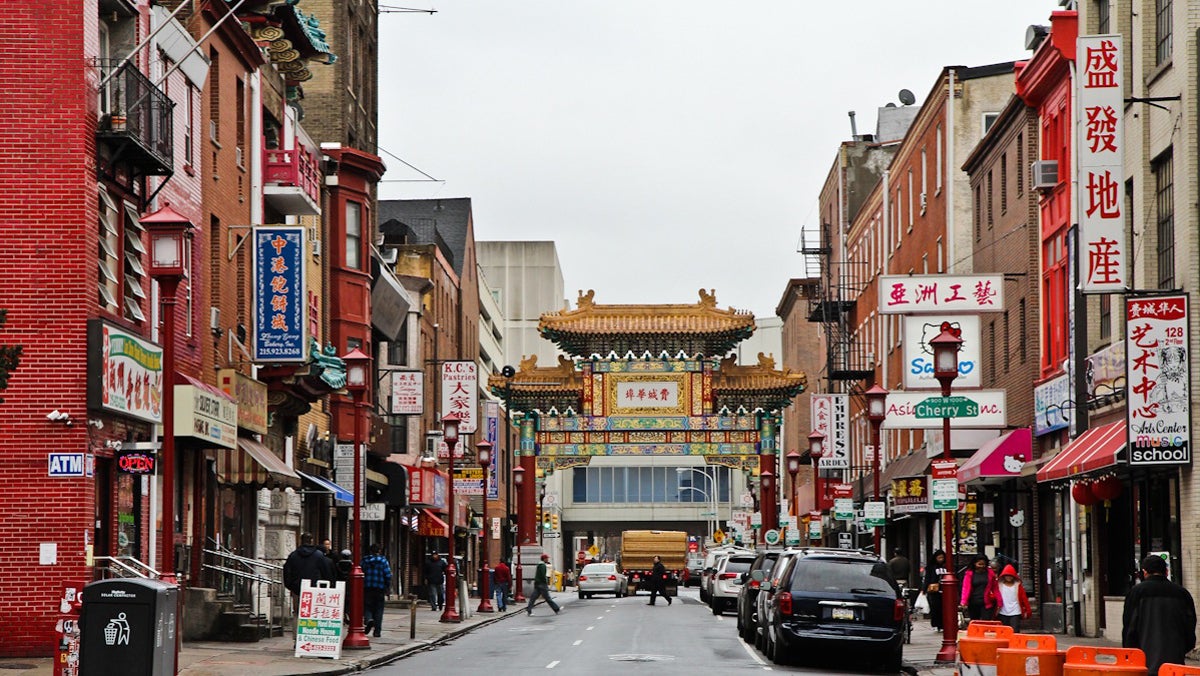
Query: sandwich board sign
{"type": "Point", "coordinates": [319, 619]}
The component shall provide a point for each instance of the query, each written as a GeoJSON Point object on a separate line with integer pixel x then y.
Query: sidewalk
{"type": "Point", "coordinates": [274, 656]}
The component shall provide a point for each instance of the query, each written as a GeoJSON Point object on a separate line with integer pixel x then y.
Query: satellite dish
{"type": "Point", "coordinates": [890, 105]}
{"type": "Point", "coordinates": [907, 98]}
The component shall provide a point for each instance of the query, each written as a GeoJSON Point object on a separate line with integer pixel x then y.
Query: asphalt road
{"type": "Point", "coordinates": [603, 635]}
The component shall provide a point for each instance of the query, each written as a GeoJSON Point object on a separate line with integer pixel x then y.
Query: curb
{"type": "Point", "coordinates": [408, 650]}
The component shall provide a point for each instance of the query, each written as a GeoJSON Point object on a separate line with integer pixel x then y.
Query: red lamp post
{"type": "Point", "coordinates": [767, 479]}
{"type": "Point", "coordinates": [945, 369]}
{"type": "Point", "coordinates": [518, 594]}
{"type": "Point", "coordinates": [450, 613]}
{"type": "Point", "coordinates": [793, 468]}
{"type": "Point", "coordinates": [876, 412]}
{"type": "Point", "coordinates": [816, 451]}
{"type": "Point", "coordinates": [357, 366]}
{"type": "Point", "coordinates": [483, 450]}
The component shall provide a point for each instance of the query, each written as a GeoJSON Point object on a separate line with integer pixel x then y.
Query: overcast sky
{"type": "Point", "coordinates": [664, 145]}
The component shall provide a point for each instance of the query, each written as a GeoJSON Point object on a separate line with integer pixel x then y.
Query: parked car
{"type": "Point", "coordinates": [752, 582]}
{"type": "Point", "coordinates": [695, 566]}
{"type": "Point", "coordinates": [601, 578]}
{"type": "Point", "coordinates": [711, 559]}
{"type": "Point", "coordinates": [836, 602]}
{"type": "Point", "coordinates": [727, 581]}
{"type": "Point", "coordinates": [762, 603]}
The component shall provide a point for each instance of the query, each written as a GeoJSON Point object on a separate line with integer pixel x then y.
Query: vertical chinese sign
{"type": "Point", "coordinates": [1100, 130]}
{"type": "Point", "coordinates": [280, 327]}
{"type": "Point", "coordinates": [1156, 349]}
{"type": "Point", "coordinates": [460, 393]}
{"type": "Point", "coordinates": [831, 417]}
{"type": "Point", "coordinates": [491, 415]}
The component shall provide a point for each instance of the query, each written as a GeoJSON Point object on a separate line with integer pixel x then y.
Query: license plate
{"type": "Point", "coordinates": [843, 614]}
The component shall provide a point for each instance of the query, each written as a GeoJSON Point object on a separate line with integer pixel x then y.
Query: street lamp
{"type": "Point", "coordinates": [542, 513]}
{"type": "Point", "coordinates": [710, 495]}
{"type": "Point", "coordinates": [518, 481]}
{"type": "Point", "coordinates": [876, 412]}
{"type": "Point", "coordinates": [357, 366]}
{"type": "Point", "coordinates": [793, 468]}
{"type": "Point", "coordinates": [450, 613]}
{"type": "Point", "coordinates": [816, 451]}
{"type": "Point", "coordinates": [945, 369]}
{"type": "Point", "coordinates": [484, 451]}
{"type": "Point", "coordinates": [767, 479]}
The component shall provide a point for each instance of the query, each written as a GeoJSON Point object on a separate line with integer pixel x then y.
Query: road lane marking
{"type": "Point", "coordinates": [600, 618]}
{"type": "Point", "coordinates": [720, 618]}
{"type": "Point", "coordinates": [589, 629]}
{"type": "Point", "coordinates": [753, 655]}
{"type": "Point", "coordinates": [577, 642]}
{"type": "Point", "coordinates": [552, 664]}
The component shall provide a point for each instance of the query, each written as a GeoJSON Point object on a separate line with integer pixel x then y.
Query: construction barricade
{"type": "Point", "coordinates": [1102, 661]}
{"type": "Point", "coordinates": [1029, 654]}
{"type": "Point", "coordinates": [1178, 670]}
{"type": "Point", "coordinates": [977, 650]}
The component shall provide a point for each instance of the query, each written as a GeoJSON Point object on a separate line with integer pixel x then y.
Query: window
{"type": "Point", "coordinates": [1164, 198]}
{"type": "Point", "coordinates": [1007, 343]}
{"type": "Point", "coordinates": [1102, 22]}
{"type": "Point", "coordinates": [941, 256]}
{"type": "Point", "coordinates": [354, 235]}
{"type": "Point", "coordinates": [1023, 339]}
{"type": "Point", "coordinates": [937, 167]}
{"type": "Point", "coordinates": [1020, 164]}
{"type": "Point", "coordinates": [988, 120]}
{"type": "Point", "coordinates": [978, 213]}
{"type": "Point", "coordinates": [618, 485]}
{"type": "Point", "coordinates": [240, 103]}
{"type": "Point", "coordinates": [1105, 316]}
{"type": "Point", "coordinates": [990, 192]}
{"type": "Point", "coordinates": [1004, 183]}
{"type": "Point", "coordinates": [1162, 31]}
{"type": "Point", "coordinates": [110, 252]}
{"type": "Point", "coordinates": [910, 200]}
{"type": "Point", "coordinates": [192, 95]}
{"type": "Point", "coordinates": [214, 94]}
{"type": "Point", "coordinates": [992, 352]}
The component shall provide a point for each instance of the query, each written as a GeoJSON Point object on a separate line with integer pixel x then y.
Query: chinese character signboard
{"type": "Point", "coordinates": [468, 481]}
{"type": "Point", "coordinates": [1052, 405]}
{"type": "Point", "coordinates": [460, 393]}
{"type": "Point", "coordinates": [639, 394]}
{"type": "Point", "coordinates": [910, 494]}
{"type": "Point", "coordinates": [408, 392]}
{"type": "Point", "coordinates": [1101, 159]}
{"type": "Point", "coordinates": [1156, 343]}
{"type": "Point", "coordinates": [905, 294]}
{"type": "Point", "coordinates": [124, 373]}
{"type": "Point", "coordinates": [491, 418]}
{"type": "Point", "coordinates": [319, 619]}
{"type": "Point", "coordinates": [918, 353]}
{"type": "Point", "coordinates": [280, 326]}
{"type": "Point", "coordinates": [831, 417]}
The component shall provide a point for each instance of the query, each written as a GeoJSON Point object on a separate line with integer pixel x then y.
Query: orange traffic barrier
{"type": "Point", "coordinates": [977, 650]}
{"type": "Point", "coordinates": [1030, 654]}
{"type": "Point", "coordinates": [1177, 670]}
{"type": "Point", "coordinates": [1102, 661]}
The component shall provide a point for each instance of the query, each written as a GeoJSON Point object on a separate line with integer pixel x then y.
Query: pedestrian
{"type": "Point", "coordinates": [435, 580]}
{"type": "Point", "coordinates": [900, 567]}
{"type": "Point", "coordinates": [1011, 601]}
{"type": "Point", "coordinates": [932, 584]}
{"type": "Point", "coordinates": [1159, 617]}
{"type": "Point", "coordinates": [658, 581]}
{"type": "Point", "coordinates": [377, 577]}
{"type": "Point", "coordinates": [343, 564]}
{"type": "Point", "coordinates": [327, 548]}
{"type": "Point", "coordinates": [978, 589]}
{"type": "Point", "coordinates": [541, 587]}
{"type": "Point", "coordinates": [306, 562]}
{"type": "Point", "coordinates": [501, 579]}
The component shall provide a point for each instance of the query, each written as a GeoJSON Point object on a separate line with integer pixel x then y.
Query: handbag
{"type": "Point", "coordinates": [933, 588]}
{"type": "Point", "coordinates": [963, 620]}
{"type": "Point", "coordinates": [921, 605]}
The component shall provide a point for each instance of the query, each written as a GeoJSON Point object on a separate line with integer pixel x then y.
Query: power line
{"type": "Point", "coordinates": [402, 161]}
{"type": "Point", "coordinates": [388, 9]}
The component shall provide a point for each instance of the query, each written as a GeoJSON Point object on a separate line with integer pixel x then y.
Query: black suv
{"type": "Point", "coordinates": [747, 616]}
{"type": "Point", "coordinates": [835, 602]}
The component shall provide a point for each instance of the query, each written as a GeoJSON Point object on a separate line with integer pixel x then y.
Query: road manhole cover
{"type": "Point", "coordinates": [642, 658]}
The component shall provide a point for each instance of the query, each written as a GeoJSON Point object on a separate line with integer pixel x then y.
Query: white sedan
{"type": "Point", "coordinates": [601, 578]}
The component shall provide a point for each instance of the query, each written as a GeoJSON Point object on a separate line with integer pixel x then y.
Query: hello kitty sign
{"type": "Point", "coordinates": [918, 353]}
{"type": "Point", "coordinates": [1016, 517]}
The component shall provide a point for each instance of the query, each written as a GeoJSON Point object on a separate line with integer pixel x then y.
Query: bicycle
{"type": "Point", "coordinates": [910, 595]}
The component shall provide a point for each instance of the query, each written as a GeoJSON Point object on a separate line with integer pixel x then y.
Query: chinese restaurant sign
{"type": "Point", "coordinates": [910, 494]}
{"type": "Point", "coordinates": [125, 373]}
{"type": "Point", "coordinates": [1156, 342]}
{"type": "Point", "coordinates": [831, 417]}
{"type": "Point", "coordinates": [319, 619]}
{"type": "Point", "coordinates": [460, 393]}
{"type": "Point", "coordinates": [1101, 180]}
{"type": "Point", "coordinates": [280, 333]}
{"type": "Point", "coordinates": [903, 294]}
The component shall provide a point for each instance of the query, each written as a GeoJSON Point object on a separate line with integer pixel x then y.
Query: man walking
{"type": "Point", "coordinates": [306, 562]}
{"type": "Point", "coordinates": [900, 567]}
{"type": "Point", "coordinates": [377, 576]}
{"type": "Point", "coordinates": [1159, 617]}
{"type": "Point", "coordinates": [501, 578]}
{"type": "Point", "coordinates": [658, 581]}
{"type": "Point", "coordinates": [541, 587]}
{"type": "Point", "coordinates": [435, 579]}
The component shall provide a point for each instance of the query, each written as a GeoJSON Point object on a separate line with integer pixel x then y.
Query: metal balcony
{"type": "Point", "coordinates": [136, 120]}
{"type": "Point", "coordinates": [292, 180]}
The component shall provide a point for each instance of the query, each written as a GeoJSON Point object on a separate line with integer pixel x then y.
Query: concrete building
{"type": "Point", "coordinates": [527, 279]}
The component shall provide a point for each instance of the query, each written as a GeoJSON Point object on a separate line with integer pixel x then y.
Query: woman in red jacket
{"type": "Point", "coordinates": [978, 589]}
{"type": "Point", "coordinates": [1011, 602]}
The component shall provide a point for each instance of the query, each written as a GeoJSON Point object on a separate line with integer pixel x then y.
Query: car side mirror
{"type": "Point", "coordinates": [757, 575]}
{"type": "Point", "coordinates": [745, 576]}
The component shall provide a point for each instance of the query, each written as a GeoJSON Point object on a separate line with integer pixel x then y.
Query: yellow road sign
{"type": "Point", "coordinates": [593, 551]}
{"type": "Point", "coordinates": [719, 536]}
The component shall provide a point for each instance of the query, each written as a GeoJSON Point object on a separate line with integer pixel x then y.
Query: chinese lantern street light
{"type": "Point", "coordinates": [945, 369]}
{"type": "Point", "coordinates": [518, 481]}
{"type": "Point", "coordinates": [357, 366]}
{"type": "Point", "coordinates": [767, 479]}
{"type": "Point", "coordinates": [483, 451]}
{"type": "Point", "coordinates": [793, 468]}
{"type": "Point", "coordinates": [876, 412]}
{"type": "Point", "coordinates": [450, 613]}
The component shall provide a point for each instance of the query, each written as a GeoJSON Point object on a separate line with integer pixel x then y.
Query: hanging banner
{"type": "Point", "coordinates": [460, 393]}
{"type": "Point", "coordinates": [831, 417]}
{"type": "Point", "coordinates": [905, 294]}
{"type": "Point", "coordinates": [918, 353]}
{"type": "Point", "coordinates": [1101, 164]}
{"type": "Point", "coordinates": [280, 329]}
{"type": "Point", "coordinates": [1156, 340]}
{"type": "Point", "coordinates": [491, 417]}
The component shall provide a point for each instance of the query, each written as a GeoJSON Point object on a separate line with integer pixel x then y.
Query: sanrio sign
{"type": "Point", "coordinates": [918, 354]}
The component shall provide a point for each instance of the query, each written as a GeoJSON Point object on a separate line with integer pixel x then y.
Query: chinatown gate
{"type": "Point", "coordinates": [647, 380]}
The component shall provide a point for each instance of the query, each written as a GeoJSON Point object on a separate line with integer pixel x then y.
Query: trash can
{"type": "Point", "coordinates": [127, 628]}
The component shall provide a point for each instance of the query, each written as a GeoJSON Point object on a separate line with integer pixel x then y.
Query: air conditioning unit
{"type": "Point", "coordinates": [924, 202]}
{"type": "Point", "coordinates": [1045, 174]}
{"type": "Point", "coordinates": [314, 241]}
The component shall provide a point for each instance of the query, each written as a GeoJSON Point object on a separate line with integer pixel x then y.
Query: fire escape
{"type": "Point", "coordinates": [831, 302]}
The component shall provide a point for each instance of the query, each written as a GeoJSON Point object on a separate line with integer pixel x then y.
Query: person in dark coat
{"type": "Point", "coordinates": [932, 584]}
{"type": "Point", "coordinates": [306, 562]}
{"type": "Point", "coordinates": [435, 581]}
{"type": "Point", "coordinates": [1159, 617]}
{"type": "Point", "coordinates": [658, 581]}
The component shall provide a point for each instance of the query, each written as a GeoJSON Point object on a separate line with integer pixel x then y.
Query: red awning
{"type": "Point", "coordinates": [1000, 458]}
{"type": "Point", "coordinates": [1095, 449]}
{"type": "Point", "coordinates": [429, 525]}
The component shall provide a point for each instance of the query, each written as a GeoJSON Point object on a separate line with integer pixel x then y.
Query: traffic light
{"type": "Point", "coordinates": [546, 521]}
{"type": "Point", "coordinates": [553, 522]}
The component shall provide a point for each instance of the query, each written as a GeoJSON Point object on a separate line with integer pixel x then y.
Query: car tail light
{"type": "Point", "coordinates": [612, 577]}
{"type": "Point", "coordinates": [583, 578]}
{"type": "Point", "coordinates": [785, 603]}
{"type": "Point", "coordinates": [899, 610]}
{"type": "Point", "coordinates": [728, 576]}
{"type": "Point", "coordinates": [755, 584]}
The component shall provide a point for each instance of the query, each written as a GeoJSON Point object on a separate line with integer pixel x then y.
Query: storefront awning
{"type": "Point", "coordinates": [1095, 449]}
{"type": "Point", "coordinates": [254, 464]}
{"type": "Point", "coordinates": [1001, 458]}
{"type": "Point", "coordinates": [429, 525]}
{"type": "Point", "coordinates": [913, 464]}
{"type": "Point", "coordinates": [328, 486]}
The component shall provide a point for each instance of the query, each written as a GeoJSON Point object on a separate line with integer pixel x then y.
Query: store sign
{"type": "Point", "coordinates": [903, 408]}
{"type": "Point", "coordinates": [135, 462]}
{"type": "Point", "coordinates": [1106, 371]}
{"type": "Point", "coordinates": [468, 481]}
{"type": "Point", "coordinates": [942, 294]}
{"type": "Point", "coordinates": [206, 413]}
{"type": "Point", "coordinates": [124, 373]}
{"type": "Point", "coordinates": [918, 353]}
{"type": "Point", "coordinates": [1052, 405]}
{"type": "Point", "coordinates": [1101, 164]}
{"type": "Point", "coordinates": [831, 417]}
{"type": "Point", "coordinates": [491, 420]}
{"type": "Point", "coordinates": [67, 464]}
{"type": "Point", "coordinates": [910, 495]}
{"type": "Point", "coordinates": [319, 619]}
{"type": "Point", "coordinates": [280, 324]}
{"type": "Point", "coordinates": [251, 398]}
{"type": "Point", "coordinates": [427, 488]}
{"type": "Point", "coordinates": [1156, 340]}
{"type": "Point", "coordinates": [460, 393]}
{"type": "Point", "coordinates": [408, 393]}
{"type": "Point", "coordinates": [373, 511]}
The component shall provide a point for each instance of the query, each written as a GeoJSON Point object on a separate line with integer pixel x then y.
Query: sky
{"type": "Point", "coordinates": [664, 145]}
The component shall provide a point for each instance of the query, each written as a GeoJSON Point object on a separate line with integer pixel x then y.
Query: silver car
{"type": "Point", "coordinates": [601, 578]}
